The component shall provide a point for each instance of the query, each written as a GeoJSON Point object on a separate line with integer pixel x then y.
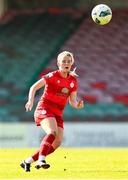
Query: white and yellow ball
{"type": "Point", "coordinates": [101, 14]}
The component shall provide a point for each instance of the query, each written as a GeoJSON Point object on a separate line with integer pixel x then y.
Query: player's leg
{"type": "Point", "coordinates": [56, 143]}
{"type": "Point", "coordinates": [35, 156]}
{"type": "Point", "coordinates": [49, 125]}
{"type": "Point", "coordinates": [59, 137]}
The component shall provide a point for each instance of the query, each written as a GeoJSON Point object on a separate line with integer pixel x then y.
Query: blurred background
{"type": "Point", "coordinates": [32, 33]}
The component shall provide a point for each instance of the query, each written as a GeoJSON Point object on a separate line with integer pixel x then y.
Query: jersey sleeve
{"type": "Point", "coordinates": [48, 77]}
{"type": "Point", "coordinates": [74, 85]}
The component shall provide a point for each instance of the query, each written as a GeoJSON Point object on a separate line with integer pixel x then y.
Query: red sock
{"type": "Point", "coordinates": [46, 144]}
{"type": "Point", "coordinates": [36, 155]}
{"type": "Point", "coordinates": [51, 149]}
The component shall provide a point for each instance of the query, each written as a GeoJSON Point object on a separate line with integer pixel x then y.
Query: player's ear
{"type": "Point", "coordinates": [58, 64]}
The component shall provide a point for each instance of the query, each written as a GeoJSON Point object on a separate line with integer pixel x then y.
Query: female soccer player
{"type": "Point", "coordinates": [60, 86]}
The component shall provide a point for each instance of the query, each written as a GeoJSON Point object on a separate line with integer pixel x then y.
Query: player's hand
{"type": "Point", "coordinates": [29, 105]}
{"type": "Point", "coordinates": [80, 104]}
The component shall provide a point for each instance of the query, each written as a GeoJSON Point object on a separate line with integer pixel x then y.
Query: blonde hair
{"type": "Point", "coordinates": [62, 55]}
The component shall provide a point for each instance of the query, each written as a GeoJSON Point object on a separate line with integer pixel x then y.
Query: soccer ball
{"type": "Point", "coordinates": [101, 14]}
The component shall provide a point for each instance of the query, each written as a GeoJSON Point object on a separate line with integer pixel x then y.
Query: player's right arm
{"type": "Point", "coordinates": [39, 84]}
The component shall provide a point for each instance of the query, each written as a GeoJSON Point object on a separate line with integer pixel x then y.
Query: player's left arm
{"type": "Point", "coordinates": [78, 104]}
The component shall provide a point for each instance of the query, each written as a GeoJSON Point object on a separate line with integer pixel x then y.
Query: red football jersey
{"type": "Point", "coordinates": [57, 91]}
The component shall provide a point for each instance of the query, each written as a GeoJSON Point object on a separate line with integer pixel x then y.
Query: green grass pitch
{"type": "Point", "coordinates": [68, 163]}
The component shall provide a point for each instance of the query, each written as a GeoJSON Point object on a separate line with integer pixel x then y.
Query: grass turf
{"type": "Point", "coordinates": [68, 163]}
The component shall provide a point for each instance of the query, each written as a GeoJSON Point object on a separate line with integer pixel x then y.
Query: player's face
{"type": "Point", "coordinates": [65, 64]}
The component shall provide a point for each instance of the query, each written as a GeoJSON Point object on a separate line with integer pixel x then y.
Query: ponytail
{"type": "Point", "coordinates": [73, 73]}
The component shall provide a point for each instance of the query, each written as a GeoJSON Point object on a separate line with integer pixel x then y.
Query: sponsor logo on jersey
{"type": "Point", "coordinates": [64, 90]}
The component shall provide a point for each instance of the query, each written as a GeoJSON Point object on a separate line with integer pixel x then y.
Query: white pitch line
{"type": "Point", "coordinates": [61, 179]}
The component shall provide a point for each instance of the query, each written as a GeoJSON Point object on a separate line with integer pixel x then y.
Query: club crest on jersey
{"type": "Point", "coordinates": [71, 84]}
{"type": "Point", "coordinates": [65, 90]}
{"type": "Point", "coordinates": [43, 112]}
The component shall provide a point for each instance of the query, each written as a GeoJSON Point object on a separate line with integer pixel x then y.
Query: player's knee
{"type": "Point", "coordinates": [55, 133]}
